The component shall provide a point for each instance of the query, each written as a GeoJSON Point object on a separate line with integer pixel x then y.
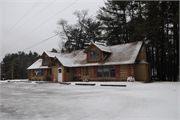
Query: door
{"type": "Point", "coordinates": [59, 74]}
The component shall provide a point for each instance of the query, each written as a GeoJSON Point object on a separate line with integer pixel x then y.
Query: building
{"type": "Point", "coordinates": [102, 63]}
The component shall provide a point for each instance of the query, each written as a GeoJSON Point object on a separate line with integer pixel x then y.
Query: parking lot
{"type": "Point", "coordinates": [54, 101]}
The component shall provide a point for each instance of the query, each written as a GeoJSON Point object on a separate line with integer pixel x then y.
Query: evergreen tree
{"type": "Point", "coordinates": [154, 22]}
{"type": "Point", "coordinates": [54, 50]}
{"type": "Point", "coordinates": [114, 19]}
{"type": "Point", "coordinates": [15, 65]}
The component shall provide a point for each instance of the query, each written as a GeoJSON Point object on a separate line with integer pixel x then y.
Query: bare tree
{"type": "Point", "coordinates": [80, 34]}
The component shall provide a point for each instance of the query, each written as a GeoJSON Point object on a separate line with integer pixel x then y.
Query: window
{"type": "Point", "coordinates": [113, 71]}
{"type": "Point", "coordinates": [67, 70]}
{"type": "Point", "coordinates": [59, 70]}
{"type": "Point", "coordinates": [91, 55]}
{"type": "Point", "coordinates": [94, 54]}
{"type": "Point", "coordinates": [50, 71]}
{"type": "Point", "coordinates": [46, 60]}
{"type": "Point", "coordinates": [38, 72]}
{"type": "Point", "coordinates": [99, 71]}
{"type": "Point", "coordinates": [97, 54]}
{"type": "Point", "coordinates": [106, 71]}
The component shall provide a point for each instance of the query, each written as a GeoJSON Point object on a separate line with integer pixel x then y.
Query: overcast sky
{"type": "Point", "coordinates": [22, 26]}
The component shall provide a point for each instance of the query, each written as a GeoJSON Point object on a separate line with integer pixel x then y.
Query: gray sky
{"type": "Point", "coordinates": [37, 26]}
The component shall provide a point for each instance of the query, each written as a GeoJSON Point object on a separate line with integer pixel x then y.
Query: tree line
{"type": "Point", "coordinates": [154, 22]}
{"type": "Point", "coordinates": [14, 66]}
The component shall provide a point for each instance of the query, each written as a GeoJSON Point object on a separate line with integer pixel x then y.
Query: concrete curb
{"type": "Point", "coordinates": [84, 84]}
{"type": "Point", "coordinates": [64, 83]}
{"type": "Point", "coordinates": [113, 85]}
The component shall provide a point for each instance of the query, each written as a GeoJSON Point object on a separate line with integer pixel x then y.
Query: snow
{"type": "Point", "coordinates": [120, 54]}
{"type": "Point", "coordinates": [143, 62]}
{"type": "Point", "coordinates": [65, 61]}
{"type": "Point", "coordinates": [103, 48]}
{"type": "Point", "coordinates": [23, 81]}
{"type": "Point", "coordinates": [52, 54]}
{"type": "Point", "coordinates": [37, 65]}
{"type": "Point", "coordinates": [50, 101]}
{"type": "Point", "coordinates": [101, 43]}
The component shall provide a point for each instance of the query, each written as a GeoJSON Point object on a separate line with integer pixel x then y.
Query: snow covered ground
{"type": "Point", "coordinates": [54, 101]}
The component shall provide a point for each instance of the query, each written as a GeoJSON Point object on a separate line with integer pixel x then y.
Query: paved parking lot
{"type": "Point", "coordinates": [54, 101]}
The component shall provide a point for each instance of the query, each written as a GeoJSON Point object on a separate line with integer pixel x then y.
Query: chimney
{"type": "Point", "coordinates": [68, 50]}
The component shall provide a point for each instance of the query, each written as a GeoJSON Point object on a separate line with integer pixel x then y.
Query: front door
{"type": "Point", "coordinates": [59, 74]}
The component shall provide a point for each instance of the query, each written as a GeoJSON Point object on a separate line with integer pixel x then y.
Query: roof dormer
{"type": "Point", "coordinates": [96, 52]}
{"type": "Point", "coordinates": [45, 59]}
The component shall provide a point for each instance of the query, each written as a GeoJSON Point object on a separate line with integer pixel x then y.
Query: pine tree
{"type": "Point", "coordinates": [154, 22]}
{"type": "Point", "coordinates": [15, 65]}
{"type": "Point", "coordinates": [114, 19]}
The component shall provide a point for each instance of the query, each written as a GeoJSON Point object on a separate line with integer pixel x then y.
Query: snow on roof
{"type": "Point", "coordinates": [103, 48]}
{"type": "Point", "coordinates": [37, 65]}
{"type": "Point", "coordinates": [124, 53]}
{"type": "Point", "coordinates": [142, 62]}
{"type": "Point", "coordinates": [121, 54]}
{"type": "Point", "coordinates": [51, 54]}
{"type": "Point", "coordinates": [65, 61]}
{"type": "Point", "coordinates": [101, 43]}
{"type": "Point", "coordinates": [71, 59]}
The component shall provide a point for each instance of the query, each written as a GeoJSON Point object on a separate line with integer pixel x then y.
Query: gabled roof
{"type": "Point", "coordinates": [120, 54]}
{"type": "Point", "coordinates": [71, 59]}
{"type": "Point", "coordinates": [65, 61]}
{"type": "Point", "coordinates": [101, 47]}
{"type": "Point", "coordinates": [124, 53]}
{"type": "Point", "coordinates": [37, 65]}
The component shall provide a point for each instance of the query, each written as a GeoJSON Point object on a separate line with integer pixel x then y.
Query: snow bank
{"type": "Point", "coordinates": [22, 80]}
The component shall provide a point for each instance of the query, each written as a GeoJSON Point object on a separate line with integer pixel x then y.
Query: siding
{"type": "Point", "coordinates": [141, 72]}
{"type": "Point", "coordinates": [132, 70]}
{"type": "Point", "coordinates": [55, 73]}
{"type": "Point", "coordinates": [69, 75]}
{"type": "Point", "coordinates": [91, 72]}
{"type": "Point", "coordinates": [142, 54]}
{"type": "Point", "coordinates": [123, 72]}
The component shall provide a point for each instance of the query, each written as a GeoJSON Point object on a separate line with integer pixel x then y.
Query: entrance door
{"type": "Point", "coordinates": [59, 74]}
